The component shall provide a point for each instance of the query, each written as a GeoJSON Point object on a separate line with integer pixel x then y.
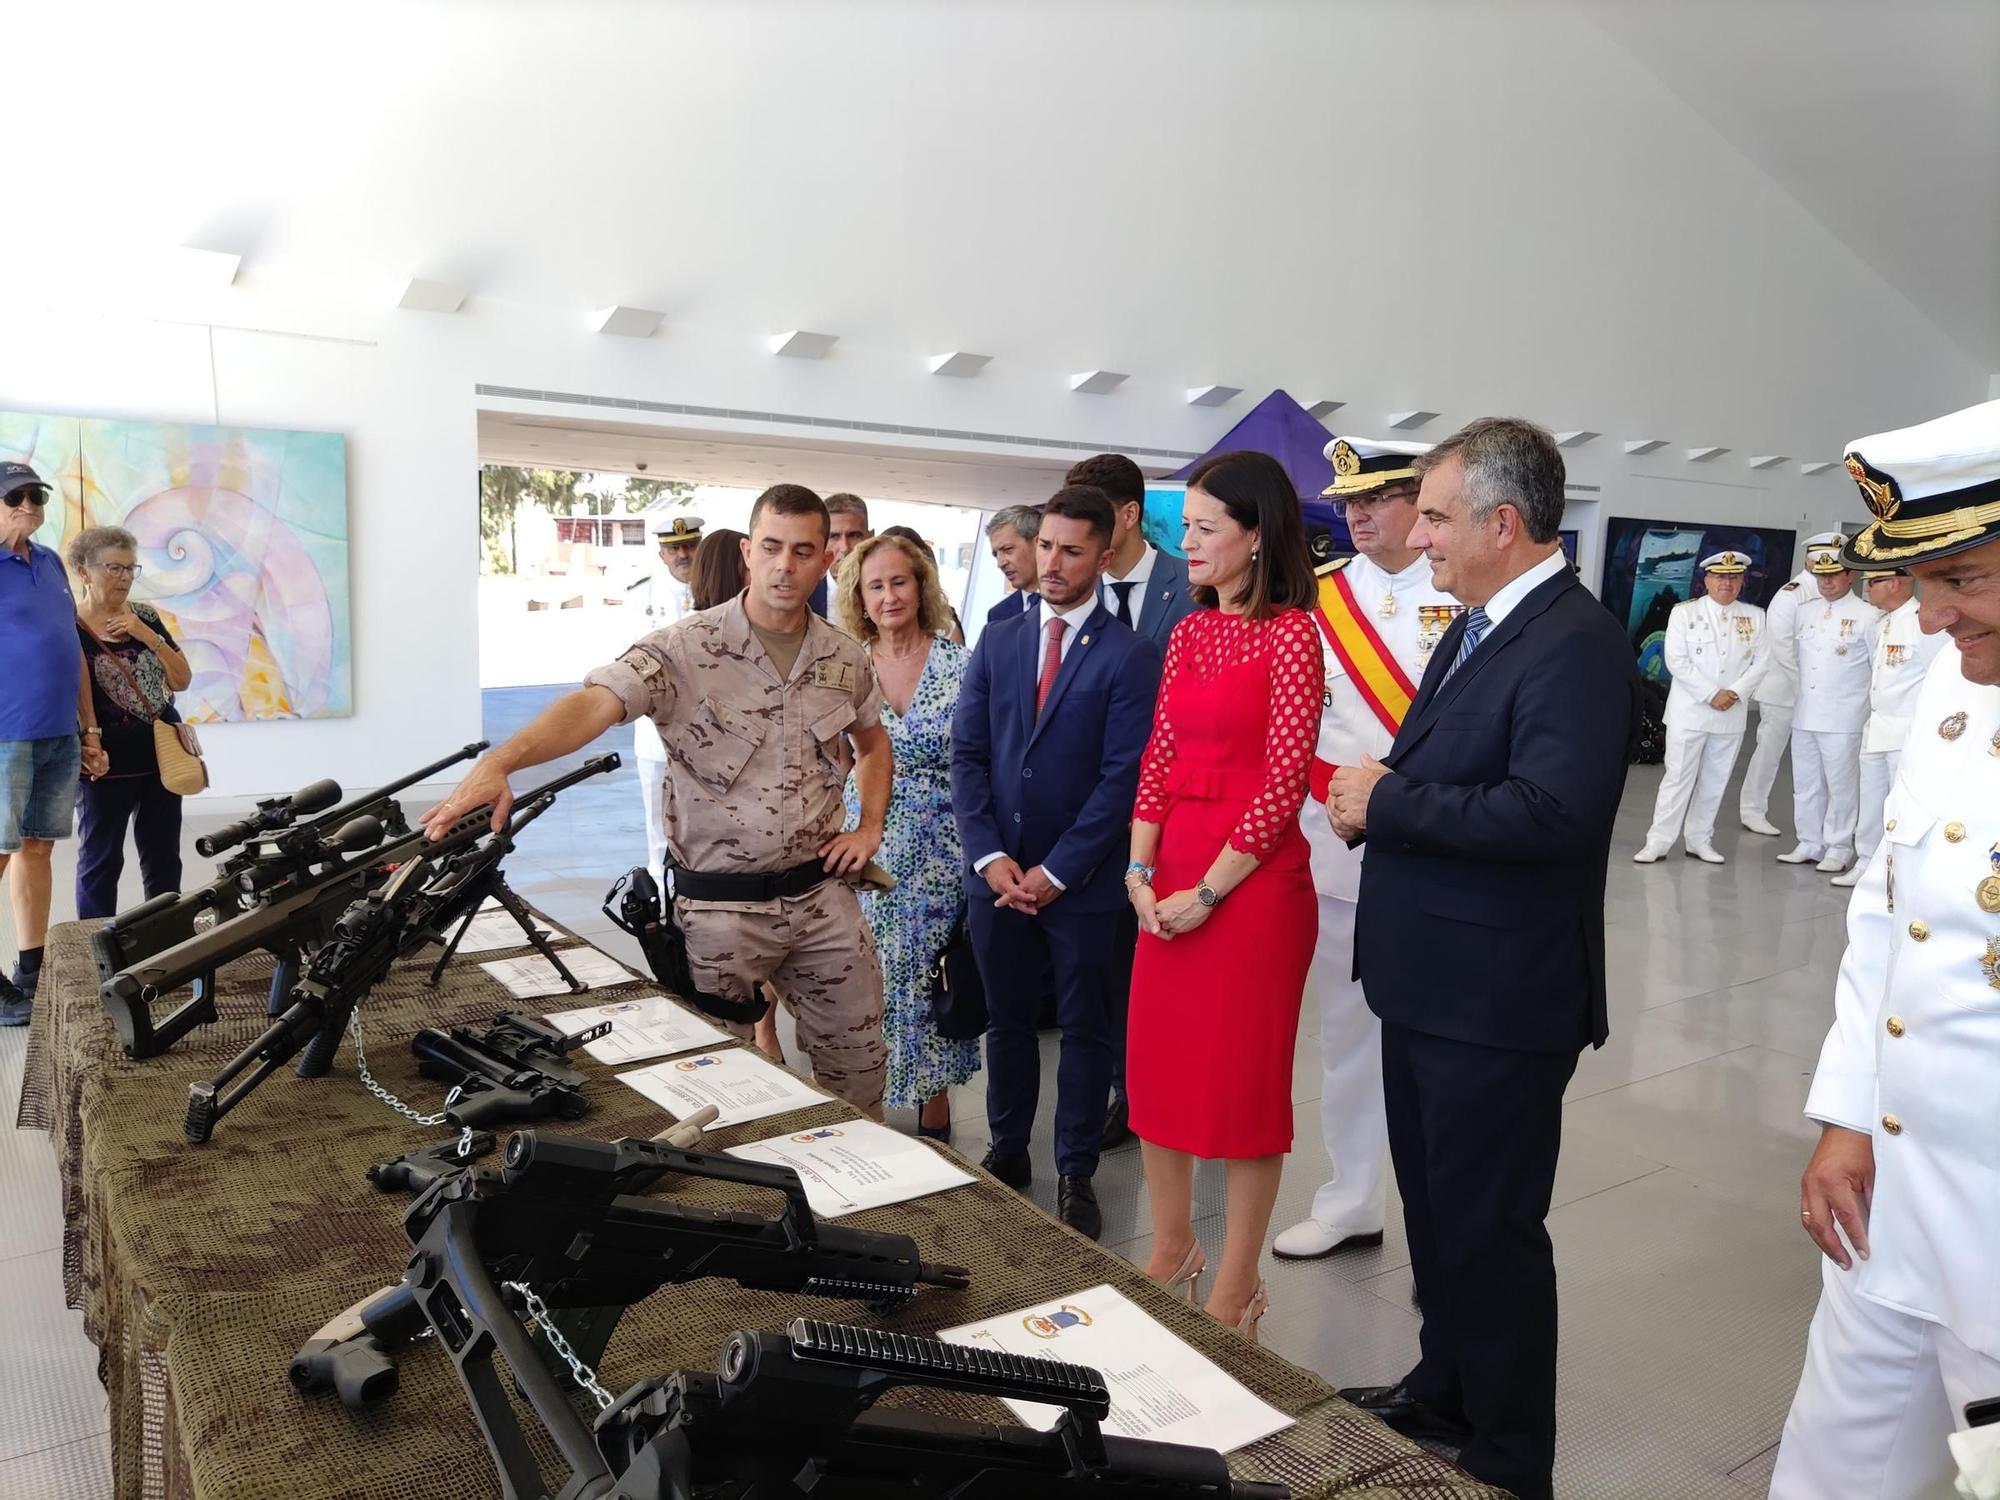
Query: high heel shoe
{"type": "Point", "coordinates": [1186, 1280]}
{"type": "Point", "coordinates": [1253, 1313]}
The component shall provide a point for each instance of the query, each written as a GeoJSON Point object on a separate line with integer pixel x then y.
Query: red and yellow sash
{"type": "Point", "coordinates": [1370, 665]}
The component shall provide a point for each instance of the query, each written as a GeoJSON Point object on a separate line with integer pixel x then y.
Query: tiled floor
{"type": "Point", "coordinates": [1686, 1286]}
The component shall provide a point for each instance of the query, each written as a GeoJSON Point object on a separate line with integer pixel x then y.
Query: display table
{"type": "Point", "coordinates": [200, 1269]}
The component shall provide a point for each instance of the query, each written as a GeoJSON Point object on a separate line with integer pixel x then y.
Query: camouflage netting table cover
{"type": "Point", "coordinates": [200, 1269]}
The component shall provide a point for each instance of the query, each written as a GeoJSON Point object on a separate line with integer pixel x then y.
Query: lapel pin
{"type": "Point", "coordinates": [1952, 727]}
{"type": "Point", "coordinates": [1084, 642]}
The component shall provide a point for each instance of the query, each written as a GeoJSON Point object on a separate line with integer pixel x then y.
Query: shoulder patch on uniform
{"type": "Point", "coordinates": [642, 661]}
{"type": "Point", "coordinates": [1332, 567]}
{"type": "Point", "coordinates": [1790, 586]}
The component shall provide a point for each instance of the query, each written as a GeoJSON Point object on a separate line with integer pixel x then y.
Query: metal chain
{"type": "Point", "coordinates": [580, 1372]}
{"type": "Point", "coordinates": [368, 1082]}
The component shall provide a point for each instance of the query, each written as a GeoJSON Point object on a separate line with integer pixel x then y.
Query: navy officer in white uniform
{"type": "Point", "coordinates": [1902, 1195]}
{"type": "Point", "coordinates": [1831, 637]}
{"type": "Point", "coordinates": [1716, 651]}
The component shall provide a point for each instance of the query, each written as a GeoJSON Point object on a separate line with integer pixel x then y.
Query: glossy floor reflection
{"type": "Point", "coordinates": [1686, 1286]}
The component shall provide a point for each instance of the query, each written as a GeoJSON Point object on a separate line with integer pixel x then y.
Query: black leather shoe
{"type": "Point", "coordinates": [1117, 1124]}
{"type": "Point", "coordinates": [1076, 1206]}
{"type": "Point", "coordinates": [1011, 1167]}
{"type": "Point", "coordinates": [1413, 1418]}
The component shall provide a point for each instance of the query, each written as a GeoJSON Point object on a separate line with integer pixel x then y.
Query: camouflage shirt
{"type": "Point", "coordinates": [755, 764]}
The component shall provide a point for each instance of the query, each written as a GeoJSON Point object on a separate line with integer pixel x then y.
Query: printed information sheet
{"type": "Point", "coordinates": [647, 1026]}
{"type": "Point", "coordinates": [1161, 1388]}
{"type": "Point", "coordinates": [857, 1164]}
{"type": "Point", "coordinates": [533, 976]}
{"type": "Point", "coordinates": [741, 1083]}
{"type": "Point", "coordinates": [498, 929]}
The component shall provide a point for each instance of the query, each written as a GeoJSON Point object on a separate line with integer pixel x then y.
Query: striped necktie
{"type": "Point", "coordinates": [1475, 631]}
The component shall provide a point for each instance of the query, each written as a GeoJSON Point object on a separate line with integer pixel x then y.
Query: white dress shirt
{"type": "Point", "coordinates": [1503, 602]}
{"type": "Point", "coordinates": [1139, 577]}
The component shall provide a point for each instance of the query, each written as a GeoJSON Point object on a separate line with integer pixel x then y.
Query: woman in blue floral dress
{"type": "Point", "coordinates": [887, 595]}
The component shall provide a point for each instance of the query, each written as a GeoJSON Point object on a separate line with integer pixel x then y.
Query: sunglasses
{"type": "Point", "coordinates": [36, 495]}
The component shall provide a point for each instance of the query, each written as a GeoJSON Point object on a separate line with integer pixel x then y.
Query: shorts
{"type": "Point", "coordinates": [38, 789]}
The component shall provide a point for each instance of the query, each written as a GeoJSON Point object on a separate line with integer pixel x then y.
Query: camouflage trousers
{"type": "Point", "coordinates": [816, 951]}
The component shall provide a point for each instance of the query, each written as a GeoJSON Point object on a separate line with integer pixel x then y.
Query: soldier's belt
{"type": "Point", "coordinates": [770, 885]}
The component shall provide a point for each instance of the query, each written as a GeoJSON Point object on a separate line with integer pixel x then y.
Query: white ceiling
{"type": "Point", "coordinates": [873, 472]}
{"type": "Point", "coordinates": [1881, 117]}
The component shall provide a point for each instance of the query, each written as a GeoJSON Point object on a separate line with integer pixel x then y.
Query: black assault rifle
{"type": "Point", "coordinates": [280, 891]}
{"type": "Point", "coordinates": [559, 1229]}
{"type": "Point", "coordinates": [434, 885]}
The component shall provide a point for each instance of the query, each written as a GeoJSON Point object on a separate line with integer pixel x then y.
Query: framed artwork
{"type": "Point", "coordinates": [242, 536]}
{"type": "Point", "coordinates": [1650, 566]}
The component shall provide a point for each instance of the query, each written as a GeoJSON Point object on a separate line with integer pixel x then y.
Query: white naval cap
{"type": "Point", "coordinates": [1362, 464]}
{"type": "Point", "coordinates": [1933, 489]}
{"type": "Point", "coordinates": [1824, 539]}
{"type": "Point", "coordinates": [1726, 561]}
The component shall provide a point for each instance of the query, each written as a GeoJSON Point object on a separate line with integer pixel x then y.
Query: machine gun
{"type": "Point", "coordinates": [434, 885]}
{"type": "Point", "coordinates": [559, 1227]}
{"type": "Point", "coordinates": [280, 891]}
{"type": "Point", "coordinates": [511, 1073]}
{"type": "Point", "coordinates": [789, 1415]}
{"type": "Point", "coordinates": [638, 908]}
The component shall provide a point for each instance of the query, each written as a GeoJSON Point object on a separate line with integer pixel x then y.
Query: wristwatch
{"type": "Point", "coordinates": [1207, 894]}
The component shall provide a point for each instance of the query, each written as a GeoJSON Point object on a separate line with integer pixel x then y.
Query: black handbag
{"type": "Point", "coordinates": [958, 997]}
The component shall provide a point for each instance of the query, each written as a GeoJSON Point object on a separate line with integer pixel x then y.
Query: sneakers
{"type": "Point", "coordinates": [15, 1006]}
{"type": "Point", "coordinates": [1835, 861]}
{"type": "Point", "coordinates": [1652, 854]}
{"type": "Point", "coordinates": [27, 981]}
{"type": "Point", "coordinates": [1803, 855]}
{"type": "Point", "coordinates": [1706, 853]}
{"type": "Point", "coordinates": [1758, 823]}
{"type": "Point", "coordinates": [1852, 877]}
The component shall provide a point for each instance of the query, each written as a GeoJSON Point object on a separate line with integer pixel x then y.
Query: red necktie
{"type": "Point", "coordinates": [1051, 662]}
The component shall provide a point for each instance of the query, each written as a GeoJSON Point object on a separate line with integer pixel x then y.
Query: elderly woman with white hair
{"type": "Point", "coordinates": [135, 668]}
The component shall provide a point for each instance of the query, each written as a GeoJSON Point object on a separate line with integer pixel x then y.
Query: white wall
{"type": "Point", "coordinates": [1464, 208]}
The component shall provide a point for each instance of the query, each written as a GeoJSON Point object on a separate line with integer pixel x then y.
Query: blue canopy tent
{"type": "Point", "coordinates": [1279, 426]}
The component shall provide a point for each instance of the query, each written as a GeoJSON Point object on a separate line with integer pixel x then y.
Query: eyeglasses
{"type": "Point", "coordinates": [1379, 500]}
{"type": "Point", "coordinates": [121, 570]}
{"type": "Point", "coordinates": [36, 495]}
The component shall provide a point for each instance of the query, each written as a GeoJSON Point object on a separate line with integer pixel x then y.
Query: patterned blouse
{"type": "Point", "coordinates": [1204, 647]}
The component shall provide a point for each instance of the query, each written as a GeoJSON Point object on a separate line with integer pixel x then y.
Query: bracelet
{"type": "Point", "coordinates": [1144, 872]}
{"type": "Point", "coordinates": [93, 729]}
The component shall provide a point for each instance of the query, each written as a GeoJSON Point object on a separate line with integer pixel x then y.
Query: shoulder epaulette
{"type": "Point", "coordinates": [1790, 586]}
{"type": "Point", "coordinates": [1332, 567]}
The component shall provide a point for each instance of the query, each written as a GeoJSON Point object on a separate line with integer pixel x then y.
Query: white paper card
{"type": "Point", "coordinates": [1161, 1388]}
{"type": "Point", "coordinates": [529, 977]}
{"type": "Point", "coordinates": [857, 1164]}
{"type": "Point", "coordinates": [648, 1026]}
{"type": "Point", "coordinates": [741, 1083]}
{"type": "Point", "coordinates": [494, 929]}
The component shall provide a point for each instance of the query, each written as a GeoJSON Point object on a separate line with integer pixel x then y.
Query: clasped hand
{"type": "Point", "coordinates": [1014, 890]}
{"type": "Point", "coordinates": [1347, 796]}
{"type": "Point", "coordinates": [1167, 917]}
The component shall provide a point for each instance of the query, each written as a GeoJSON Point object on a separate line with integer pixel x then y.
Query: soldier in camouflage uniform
{"type": "Point", "coordinates": [764, 708]}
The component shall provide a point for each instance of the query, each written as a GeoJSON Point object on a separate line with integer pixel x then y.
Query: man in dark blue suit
{"type": "Point", "coordinates": [1011, 535]}
{"type": "Point", "coordinates": [1052, 718]}
{"type": "Point", "coordinates": [1480, 936]}
{"type": "Point", "coordinates": [1148, 590]}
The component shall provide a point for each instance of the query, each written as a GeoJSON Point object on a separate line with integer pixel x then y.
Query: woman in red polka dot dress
{"type": "Point", "coordinates": [1220, 876]}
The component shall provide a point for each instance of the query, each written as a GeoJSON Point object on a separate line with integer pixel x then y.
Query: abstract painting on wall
{"type": "Point", "coordinates": [242, 536]}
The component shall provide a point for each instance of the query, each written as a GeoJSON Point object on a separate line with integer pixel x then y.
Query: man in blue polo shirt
{"type": "Point", "coordinates": [42, 705]}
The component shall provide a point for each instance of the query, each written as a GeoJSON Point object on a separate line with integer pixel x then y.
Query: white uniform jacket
{"type": "Point", "coordinates": [1913, 1058]}
{"type": "Point", "coordinates": [1832, 643]}
{"type": "Point", "coordinates": [1711, 647]}
{"type": "Point", "coordinates": [1411, 615]}
{"type": "Point", "coordinates": [1899, 655]}
{"type": "Point", "coordinates": [1779, 686]}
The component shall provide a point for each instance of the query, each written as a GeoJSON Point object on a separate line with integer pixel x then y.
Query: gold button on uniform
{"type": "Point", "coordinates": [1954, 833]}
{"type": "Point", "coordinates": [1895, 1026]}
{"type": "Point", "coordinates": [1919, 931]}
{"type": "Point", "coordinates": [1891, 1124]}
{"type": "Point", "coordinates": [1890, 825]}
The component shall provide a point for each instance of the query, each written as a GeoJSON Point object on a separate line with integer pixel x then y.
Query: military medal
{"type": "Point", "coordinates": [1987, 892]}
{"type": "Point", "coordinates": [1745, 627]}
{"type": "Point", "coordinates": [1952, 727]}
{"type": "Point", "coordinates": [1895, 656]}
{"type": "Point", "coordinates": [1991, 963]}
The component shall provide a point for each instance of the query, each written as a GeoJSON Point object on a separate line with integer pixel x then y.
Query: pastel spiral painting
{"type": "Point", "coordinates": [242, 536]}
